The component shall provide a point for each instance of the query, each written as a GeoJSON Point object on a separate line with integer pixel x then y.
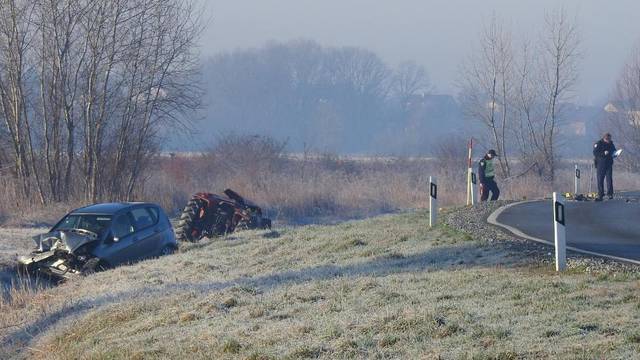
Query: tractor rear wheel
{"type": "Point", "coordinates": [187, 230]}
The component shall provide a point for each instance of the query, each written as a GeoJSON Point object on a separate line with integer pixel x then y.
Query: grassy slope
{"type": "Point", "coordinates": [384, 287]}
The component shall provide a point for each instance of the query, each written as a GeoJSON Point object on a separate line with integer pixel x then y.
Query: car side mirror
{"type": "Point", "coordinates": [112, 239]}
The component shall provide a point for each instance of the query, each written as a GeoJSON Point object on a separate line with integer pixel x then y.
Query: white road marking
{"type": "Point", "coordinates": [493, 220]}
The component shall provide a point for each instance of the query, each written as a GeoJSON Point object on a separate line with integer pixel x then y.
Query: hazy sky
{"type": "Point", "coordinates": [437, 34]}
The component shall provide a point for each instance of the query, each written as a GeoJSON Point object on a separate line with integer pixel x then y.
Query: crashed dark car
{"type": "Point", "coordinates": [101, 236]}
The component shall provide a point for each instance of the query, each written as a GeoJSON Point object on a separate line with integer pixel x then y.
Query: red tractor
{"type": "Point", "coordinates": [209, 215]}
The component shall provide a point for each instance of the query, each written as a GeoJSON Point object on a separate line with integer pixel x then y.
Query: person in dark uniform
{"type": "Point", "coordinates": [487, 174]}
{"type": "Point", "coordinates": [604, 151]}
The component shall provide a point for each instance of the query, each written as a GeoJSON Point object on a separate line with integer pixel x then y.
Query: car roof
{"type": "Point", "coordinates": [107, 208]}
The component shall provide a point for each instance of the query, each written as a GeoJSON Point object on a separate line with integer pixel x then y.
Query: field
{"type": "Point", "coordinates": [306, 188]}
{"type": "Point", "coordinates": [386, 287]}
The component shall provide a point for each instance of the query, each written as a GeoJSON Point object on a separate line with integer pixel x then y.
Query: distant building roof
{"type": "Point", "coordinates": [611, 107]}
{"type": "Point", "coordinates": [615, 106]}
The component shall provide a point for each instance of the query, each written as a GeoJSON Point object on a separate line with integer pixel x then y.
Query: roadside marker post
{"type": "Point", "coordinates": [590, 178]}
{"type": "Point", "coordinates": [577, 181]}
{"type": "Point", "coordinates": [433, 201]}
{"type": "Point", "coordinates": [470, 175]}
{"type": "Point", "coordinates": [560, 234]}
{"type": "Point", "coordinates": [474, 184]}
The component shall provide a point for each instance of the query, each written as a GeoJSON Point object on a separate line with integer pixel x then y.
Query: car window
{"type": "Point", "coordinates": [122, 226]}
{"type": "Point", "coordinates": [69, 222]}
{"type": "Point", "coordinates": [154, 214]}
{"type": "Point", "coordinates": [94, 223]}
{"type": "Point", "coordinates": [142, 218]}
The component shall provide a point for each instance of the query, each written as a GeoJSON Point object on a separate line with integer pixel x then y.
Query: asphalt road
{"type": "Point", "coordinates": [609, 227]}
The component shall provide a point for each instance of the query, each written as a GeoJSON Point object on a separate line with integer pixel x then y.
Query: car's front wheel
{"type": "Point", "coordinates": [93, 265]}
{"type": "Point", "coordinates": [167, 250]}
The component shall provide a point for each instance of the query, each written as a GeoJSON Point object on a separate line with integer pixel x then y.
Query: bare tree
{"type": "Point", "coordinates": [520, 96]}
{"type": "Point", "coordinates": [325, 96]}
{"type": "Point", "coordinates": [559, 74]}
{"type": "Point", "coordinates": [59, 58]}
{"type": "Point", "coordinates": [528, 110]}
{"type": "Point", "coordinates": [162, 71]}
{"type": "Point", "coordinates": [359, 83]}
{"type": "Point", "coordinates": [410, 79]}
{"type": "Point", "coordinates": [623, 116]}
{"type": "Point", "coordinates": [486, 85]}
{"type": "Point", "coordinates": [109, 75]}
{"type": "Point", "coordinates": [15, 37]}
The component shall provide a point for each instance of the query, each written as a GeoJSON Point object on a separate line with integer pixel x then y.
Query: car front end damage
{"type": "Point", "coordinates": [61, 254]}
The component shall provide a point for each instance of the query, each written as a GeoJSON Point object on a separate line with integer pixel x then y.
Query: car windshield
{"type": "Point", "coordinates": [94, 223]}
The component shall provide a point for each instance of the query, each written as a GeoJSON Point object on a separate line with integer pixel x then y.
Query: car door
{"type": "Point", "coordinates": [123, 250]}
{"type": "Point", "coordinates": [148, 232]}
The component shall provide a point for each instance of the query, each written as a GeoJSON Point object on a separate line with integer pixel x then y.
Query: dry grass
{"type": "Point", "coordinates": [14, 242]}
{"type": "Point", "coordinates": [308, 189]}
{"type": "Point", "coordinates": [17, 290]}
{"type": "Point", "coordinates": [381, 288]}
{"type": "Point", "coordinates": [302, 190]}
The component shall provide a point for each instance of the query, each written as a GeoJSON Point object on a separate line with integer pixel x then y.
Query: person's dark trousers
{"type": "Point", "coordinates": [489, 185]}
{"type": "Point", "coordinates": [605, 171]}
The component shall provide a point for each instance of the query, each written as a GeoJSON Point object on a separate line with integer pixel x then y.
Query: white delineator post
{"type": "Point", "coordinates": [577, 181]}
{"type": "Point", "coordinates": [470, 187]}
{"type": "Point", "coordinates": [474, 182]}
{"type": "Point", "coordinates": [433, 201]}
{"type": "Point", "coordinates": [590, 178]}
{"type": "Point", "coordinates": [560, 233]}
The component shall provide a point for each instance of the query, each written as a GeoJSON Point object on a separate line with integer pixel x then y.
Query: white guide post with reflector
{"type": "Point", "coordinates": [560, 233]}
{"type": "Point", "coordinates": [433, 201]}
{"type": "Point", "coordinates": [470, 176]}
{"type": "Point", "coordinates": [474, 184]}
{"type": "Point", "coordinates": [577, 181]}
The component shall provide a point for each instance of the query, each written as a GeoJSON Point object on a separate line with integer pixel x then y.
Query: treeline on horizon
{"type": "Point", "coordinates": [343, 100]}
{"type": "Point", "coordinates": [513, 95]}
{"type": "Point", "coordinates": [327, 99]}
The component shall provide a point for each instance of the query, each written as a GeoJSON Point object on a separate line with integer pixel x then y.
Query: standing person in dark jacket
{"type": "Point", "coordinates": [604, 151]}
{"type": "Point", "coordinates": [487, 173]}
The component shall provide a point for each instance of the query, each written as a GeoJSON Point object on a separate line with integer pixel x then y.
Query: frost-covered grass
{"type": "Point", "coordinates": [14, 242]}
{"type": "Point", "coordinates": [386, 287]}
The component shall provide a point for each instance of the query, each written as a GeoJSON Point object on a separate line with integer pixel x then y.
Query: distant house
{"type": "Point", "coordinates": [580, 128]}
{"type": "Point", "coordinates": [614, 107]}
